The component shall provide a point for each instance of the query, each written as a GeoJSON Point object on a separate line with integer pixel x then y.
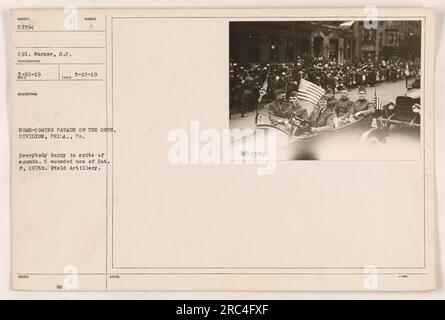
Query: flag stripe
{"type": "Point", "coordinates": [308, 98]}
{"type": "Point", "coordinates": [378, 103]}
{"type": "Point", "coordinates": [263, 89]}
{"type": "Point", "coordinates": [306, 85]}
{"type": "Point", "coordinates": [309, 91]}
{"type": "Point", "coordinates": [313, 89]}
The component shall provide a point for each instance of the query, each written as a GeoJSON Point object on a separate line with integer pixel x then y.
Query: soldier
{"type": "Point", "coordinates": [331, 82]}
{"type": "Point", "coordinates": [245, 101]}
{"type": "Point", "coordinates": [235, 103]}
{"type": "Point", "coordinates": [332, 102]}
{"type": "Point", "coordinates": [362, 107]}
{"type": "Point", "coordinates": [344, 106]}
{"type": "Point", "coordinates": [279, 107]}
{"type": "Point", "coordinates": [372, 76]}
{"type": "Point", "coordinates": [343, 110]}
{"type": "Point", "coordinates": [322, 118]}
{"type": "Point", "coordinates": [297, 109]}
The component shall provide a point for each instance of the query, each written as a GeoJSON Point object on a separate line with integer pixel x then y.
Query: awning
{"type": "Point", "coordinates": [346, 24]}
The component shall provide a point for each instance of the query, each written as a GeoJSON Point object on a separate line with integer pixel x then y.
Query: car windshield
{"type": "Point", "coordinates": [290, 126]}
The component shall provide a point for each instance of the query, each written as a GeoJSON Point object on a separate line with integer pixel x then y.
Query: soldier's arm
{"type": "Point", "coordinates": [350, 109]}
{"type": "Point", "coordinates": [336, 109]}
{"type": "Point", "coordinates": [269, 108]}
{"type": "Point", "coordinates": [289, 112]}
{"type": "Point", "coordinates": [271, 111]}
{"type": "Point", "coordinates": [370, 110]}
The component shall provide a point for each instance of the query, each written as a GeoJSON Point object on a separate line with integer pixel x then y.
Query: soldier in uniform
{"type": "Point", "coordinates": [245, 101]}
{"type": "Point", "coordinates": [362, 107]}
{"type": "Point", "coordinates": [279, 107]}
{"type": "Point", "coordinates": [332, 102]}
{"type": "Point", "coordinates": [343, 111]}
{"type": "Point", "coordinates": [344, 106]}
{"type": "Point", "coordinates": [297, 109]}
{"type": "Point", "coordinates": [331, 82]}
{"type": "Point", "coordinates": [322, 118]}
{"type": "Point", "coordinates": [246, 97]}
{"type": "Point", "coordinates": [298, 122]}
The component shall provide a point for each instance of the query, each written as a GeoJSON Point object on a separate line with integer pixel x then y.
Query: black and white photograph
{"type": "Point", "coordinates": [328, 90]}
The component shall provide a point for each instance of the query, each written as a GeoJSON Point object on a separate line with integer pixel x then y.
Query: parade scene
{"type": "Point", "coordinates": [343, 85]}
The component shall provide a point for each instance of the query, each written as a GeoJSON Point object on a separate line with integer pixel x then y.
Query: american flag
{"type": "Point", "coordinates": [378, 103]}
{"type": "Point", "coordinates": [309, 91]}
{"type": "Point", "coordinates": [263, 89]}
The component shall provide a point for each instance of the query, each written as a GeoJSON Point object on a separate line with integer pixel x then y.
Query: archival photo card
{"type": "Point", "coordinates": [222, 149]}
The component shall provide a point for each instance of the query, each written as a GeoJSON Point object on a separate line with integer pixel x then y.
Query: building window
{"type": "Point", "coordinates": [289, 43]}
{"type": "Point", "coordinates": [304, 47]}
{"type": "Point", "coordinates": [252, 49]}
{"type": "Point", "coordinates": [318, 46]}
{"type": "Point", "coordinates": [369, 36]}
{"type": "Point", "coordinates": [333, 48]}
{"type": "Point", "coordinates": [233, 48]}
{"type": "Point", "coordinates": [348, 49]}
{"type": "Point", "coordinates": [273, 50]}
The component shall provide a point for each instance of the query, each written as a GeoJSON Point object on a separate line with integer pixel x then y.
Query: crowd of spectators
{"type": "Point", "coordinates": [246, 79]}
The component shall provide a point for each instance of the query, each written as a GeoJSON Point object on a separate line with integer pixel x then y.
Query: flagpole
{"type": "Point", "coordinates": [375, 95]}
{"type": "Point", "coordinates": [377, 101]}
{"type": "Point", "coordinates": [263, 87]}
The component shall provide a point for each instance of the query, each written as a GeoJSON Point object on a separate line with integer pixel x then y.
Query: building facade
{"type": "Point", "coordinates": [285, 41]}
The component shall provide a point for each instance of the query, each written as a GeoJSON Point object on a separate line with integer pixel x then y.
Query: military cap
{"type": "Point", "coordinates": [323, 97]}
{"type": "Point", "coordinates": [278, 92]}
{"type": "Point", "coordinates": [294, 94]}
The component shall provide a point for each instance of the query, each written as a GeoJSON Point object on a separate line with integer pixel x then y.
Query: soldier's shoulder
{"type": "Point", "coordinates": [286, 103]}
